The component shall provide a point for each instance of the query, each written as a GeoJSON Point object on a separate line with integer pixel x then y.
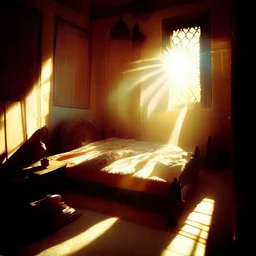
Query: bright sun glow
{"type": "Point", "coordinates": [192, 238]}
{"type": "Point", "coordinates": [174, 74]}
{"type": "Point", "coordinates": [175, 62]}
{"type": "Point", "coordinates": [182, 66]}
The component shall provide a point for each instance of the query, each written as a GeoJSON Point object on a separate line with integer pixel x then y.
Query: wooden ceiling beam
{"type": "Point", "coordinates": [136, 7]}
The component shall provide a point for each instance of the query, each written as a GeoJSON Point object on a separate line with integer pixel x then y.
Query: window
{"type": "Point", "coordinates": [186, 57]}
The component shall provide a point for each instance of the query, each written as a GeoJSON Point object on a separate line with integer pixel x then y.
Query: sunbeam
{"type": "Point", "coordinates": [167, 82]}
{"type": "Point", "coordinates": [82, 240]}
{"type": "Point", "coordinates": [154, 102]}
{"type": "Point", "coordinates": [143, 68]}
{"type": "Point", "coordinates": [144, 77]}
{"type": "Point", "coordinates": [174, 139]}
{"type": "Point", "coordinates": [192, 237]}
{"type": "Point", "coordinates": [152, 90]}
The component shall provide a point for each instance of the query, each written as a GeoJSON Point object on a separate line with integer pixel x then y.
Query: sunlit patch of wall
{"type": "Point", "coordinates": [14, 124]}
{"type": "Point", "coordinates": [12, 120]}
{"type": "Point", "coordinates": [33, 110]}
{"type": "Point", "coordinates": [46, 76]}
{"type": "Point", "coordinates": [2, 133]}
{"type": "Point", "coordinates": [38, 100]}
{"type": "Point", "coordinates": [20, 119]}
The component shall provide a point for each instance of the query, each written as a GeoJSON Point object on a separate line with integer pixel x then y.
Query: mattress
{"type": "Point", "coordinates": [126, 163]}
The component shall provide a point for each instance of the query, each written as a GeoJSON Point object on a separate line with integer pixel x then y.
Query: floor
{"type": "Point", "coordinates": [210, 208]}
{"type": "Point", "coordinates": [205, 227]}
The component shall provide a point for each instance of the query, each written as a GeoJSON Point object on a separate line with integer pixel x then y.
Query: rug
{"type": "Point", "coordinates": [96, 234]}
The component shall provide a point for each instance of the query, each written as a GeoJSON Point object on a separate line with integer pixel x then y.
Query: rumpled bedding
{"type": "Point", "coordinates": [125, 163]}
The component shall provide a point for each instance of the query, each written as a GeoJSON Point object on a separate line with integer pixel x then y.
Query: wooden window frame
{"type": "Point", "coordinates": [169, 25]}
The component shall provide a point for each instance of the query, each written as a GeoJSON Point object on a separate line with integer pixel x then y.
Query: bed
{"type": "Point", "coordinates": [148, 174]}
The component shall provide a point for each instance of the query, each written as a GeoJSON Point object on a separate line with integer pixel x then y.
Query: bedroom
{"type": "Point", "coordinates": [46, 110]}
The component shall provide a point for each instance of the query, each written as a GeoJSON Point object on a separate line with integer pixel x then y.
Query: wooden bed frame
{"type": "Point", "coordinates": [170, 205]}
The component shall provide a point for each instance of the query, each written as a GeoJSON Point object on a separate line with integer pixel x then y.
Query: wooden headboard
{"type": "Point", "coordinates": [76, 133]}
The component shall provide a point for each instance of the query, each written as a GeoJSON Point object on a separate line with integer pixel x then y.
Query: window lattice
{"type": "Point", "coordinates": [184, 75]}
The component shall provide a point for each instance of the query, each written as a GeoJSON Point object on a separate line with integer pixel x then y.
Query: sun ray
{"type": "Point", "coordinates": [152, 89]}
{"type": "Point", "coordinates": [156, 99]}
{"type": "Point", "coordinates": [143, 68]}
{"type": "Point", "coordinates": [145, 77]}
{"type": "Point", "coordinates": [145, 60]}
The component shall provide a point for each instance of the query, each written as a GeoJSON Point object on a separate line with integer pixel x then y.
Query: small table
{"type": "Point", "coordinates": [46, 180]}
{"type": "Point", "coordinates": [29, 184]}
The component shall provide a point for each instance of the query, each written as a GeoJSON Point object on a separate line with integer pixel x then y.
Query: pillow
{"type": "Point", "coordinates": [169, 171]}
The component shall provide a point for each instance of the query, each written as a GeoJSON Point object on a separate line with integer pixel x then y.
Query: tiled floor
{"type": "Point", "coordinates": [205, 227]}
